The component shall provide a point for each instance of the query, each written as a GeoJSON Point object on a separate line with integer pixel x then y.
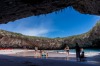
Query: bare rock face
{"type": "Point", "coordinates": [16, 40]}
{"type": "Point", "coordinates": [11, 10]}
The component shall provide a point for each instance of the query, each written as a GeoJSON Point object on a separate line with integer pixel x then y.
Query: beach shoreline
{"type": "Point", "coordinates": [51, 55]}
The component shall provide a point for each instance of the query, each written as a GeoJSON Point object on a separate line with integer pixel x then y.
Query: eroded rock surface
{"type": "Point", "coordinates": [11, 10]}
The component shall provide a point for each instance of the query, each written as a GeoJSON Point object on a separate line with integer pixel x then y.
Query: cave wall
{"type": "Point", "coordinates": [11, 10]}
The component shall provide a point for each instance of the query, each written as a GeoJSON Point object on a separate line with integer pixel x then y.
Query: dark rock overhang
{"type": "Point", "coordinates": [11, 10]}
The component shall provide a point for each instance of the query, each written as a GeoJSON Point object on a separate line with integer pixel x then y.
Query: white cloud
{"type": "Point", "coordinates": [32, 26]}
{"type": "Point", "coordinates": [36, 32]}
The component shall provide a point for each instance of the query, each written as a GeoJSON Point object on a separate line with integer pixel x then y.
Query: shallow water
{"type": "Point", "coordinates": [85, 50]}
{"type": "Point", "coordinates": [88, 52]}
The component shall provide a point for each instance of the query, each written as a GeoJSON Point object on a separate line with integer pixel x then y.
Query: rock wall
{"type": "Point", "coordinates": [15, 40]}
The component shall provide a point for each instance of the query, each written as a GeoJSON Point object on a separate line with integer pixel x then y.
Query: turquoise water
{"type": "Point", "coordinates": [85, 50]}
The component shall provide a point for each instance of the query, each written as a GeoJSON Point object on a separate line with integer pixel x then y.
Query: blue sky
{"type": "Point", "coordinates": [64, 23]}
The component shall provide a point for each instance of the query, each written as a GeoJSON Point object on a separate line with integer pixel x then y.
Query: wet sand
{"type": "Point", "coordinates": [26, 58]}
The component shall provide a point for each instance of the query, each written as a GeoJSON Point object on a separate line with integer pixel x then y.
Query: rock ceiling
{"type": "Point", "coordinates": [11, 10]}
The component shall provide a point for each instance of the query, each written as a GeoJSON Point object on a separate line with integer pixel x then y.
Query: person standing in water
{"type": "Point", "coordinates": [67, 51]}
{"type": "Point", "coordinates": [82, 56]}
{"type": "Point", "coordinates": [77, 52]}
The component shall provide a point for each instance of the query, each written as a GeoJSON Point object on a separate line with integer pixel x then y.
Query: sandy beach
{"type": "Point", "coordinates": [19, 57]}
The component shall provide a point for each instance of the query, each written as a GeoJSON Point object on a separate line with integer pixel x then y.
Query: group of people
{"type": "Point", "coordinates": [40, 53]}
{"type": "Point", "coordinates": [79, 52]}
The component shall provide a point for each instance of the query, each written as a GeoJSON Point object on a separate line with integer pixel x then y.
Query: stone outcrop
{"type": "Point", "coordinates": [11, 10]}
{"type": "Point", "coordinates": [16, 40]}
